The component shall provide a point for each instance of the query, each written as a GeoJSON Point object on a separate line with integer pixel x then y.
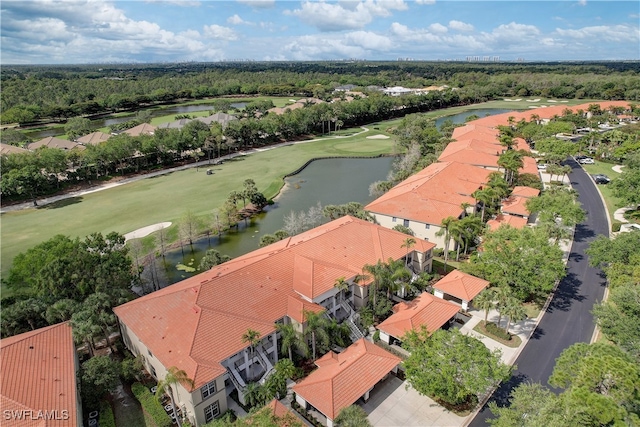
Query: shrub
{"type": "Point", "coordinates": [376, 335]}
{"type": "Point", "coordinates": [615, 226]}
{"type": "Point", "coordinates": [494, 329]}
{"type": "Point", "coordinates": [151, 405]}
{"type": "Point", "coordinates": [106, 415]}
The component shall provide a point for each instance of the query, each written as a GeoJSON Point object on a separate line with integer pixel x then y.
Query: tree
{"type": "Point", "coordinates": [173, 377]}
{"type": "Point", "coordinates": [212, 258]}
{"type": "Point", "coordinates": [352, 416]}
{"type": "Point", "coordinates": [511, 161]}
{"type": "Point", "coordinates": [452, 367]}
{"type": "Point", "coordinates": [558, 210]}
{"type": "Point", "coordinates": [28, 181]}
{"type": "Point", "coordinates": [485, 301]}
{"type": "Point", "coordinates": [316, 327]}
{"type": "Point", "coordinates": [485, 197]}
{"type": "Point", "coordinates": [189, 226]}
{"type": "Point", "coordinates": [251, 337]}
{"type": "Point", "coordinates": [23, 316]}
{"type": "Point", "coordinates": [401, 228]}
{"type": "Point", "coordinates": [514, 311]}
{"type": "Point", "coordinates": [408, 243]}
{"type": "Point", "coordinates": [254, 394]}
{"type": "Point", "coordinates": [445, 231]}
{"type": "Point", "coordinates": [290, 338]}
{"type": "Point", "coordinates": [531, 405]}
{"type": "Point", "coordinates": [601, 383]}
{"type": "Point", "coordinates": [101, 373]}
{"type": "Point", "coordinates": [77, 127]}
{"type": "Point", "coordinates": [627, 187]}
{"type": "Point", "coordinates": [276, 384]}
{"type": "Point", "coordinates": [619, 318]}
{"type": "Point", "coordinates": [61, 311]}
{"type": "Point", "coordinates": [342, 286]}
{"type": "Point", "coordinates": [521, 259]}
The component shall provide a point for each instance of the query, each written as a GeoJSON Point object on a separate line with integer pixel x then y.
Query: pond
{"type": "Point", "coordinates": [461, 117]}
{"type": "Point", "coordinates": [326, 181]}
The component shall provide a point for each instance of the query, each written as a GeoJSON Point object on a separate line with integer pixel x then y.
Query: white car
{"type": "Point", "coordinates": [586, 161]}
{"type": "Point", "coordinates": [542, 167]}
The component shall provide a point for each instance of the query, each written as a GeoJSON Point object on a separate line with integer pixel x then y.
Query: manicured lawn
{"type": "Point", "coordinates": [167, 198]}
{"type": "Point", "coordinates": [612, 202]}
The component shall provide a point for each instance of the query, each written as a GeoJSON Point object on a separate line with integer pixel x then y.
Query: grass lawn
{"type": "Point", "coordinates": [438, 265]}
{"type": "Point", "coordinates": [168, 197]}
{"type": "Point", "coordinates": [613, 203]}
{"type": "Point", "coordinates": [514, 342]}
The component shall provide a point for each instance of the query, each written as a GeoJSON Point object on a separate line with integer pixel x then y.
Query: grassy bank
{"type": "Point", "coordinates": [168, 197]}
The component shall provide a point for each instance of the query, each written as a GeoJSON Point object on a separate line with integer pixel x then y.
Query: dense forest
{"type": "Point", "coordinates": [33, 93]}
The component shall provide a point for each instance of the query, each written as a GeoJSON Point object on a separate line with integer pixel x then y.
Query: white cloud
{"type": "Point", "coordinates": [610, 33]}
{"type": "Point", "coordinates": [259, 4]}
{"type": "Point", "coordinates": [426, 1]}
{"type": "Point", "coordinates": [183, 3]}
{"type": "Point", "coordinates": [582, 2]}
{"type": "Point", "coordinates": [327, 16]}
{"type": "Point", "coordinates": [219, 32]}
{"type": "Point", "coordinates": [438, 28]}
{"type": "Point", "coordinates": [369, 40]}
{"type": "Point", "coordinates": [236, 20]}
{"type": "Point", "coordinates": [460, 26]}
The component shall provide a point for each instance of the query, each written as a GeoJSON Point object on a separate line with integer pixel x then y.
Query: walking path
{"type": "Point", "coordinates": [204, 163]}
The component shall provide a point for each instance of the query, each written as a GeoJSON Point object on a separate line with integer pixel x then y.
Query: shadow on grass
{"type": "Point", "coordinates": [62, 203]}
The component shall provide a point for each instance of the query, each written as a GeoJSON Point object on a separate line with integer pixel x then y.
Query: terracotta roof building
{"type": "Point", "coordinates": [197, 324]}
{"type": "Point", "coordinates": [426, 310]}
{"type": "Point", "coordinates": [423, 200]}
{"type": "Point", "coordinates": [341, 379]}
{"type": "Point", "coordinates": [38, 378]}
{"type": "Point", "coordinates": [510, 220]}
{"type": "Point", "coordinates": [459, 287]}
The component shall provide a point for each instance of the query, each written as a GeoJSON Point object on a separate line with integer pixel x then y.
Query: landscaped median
{"type": "Point", "coordinates": [150, 405]}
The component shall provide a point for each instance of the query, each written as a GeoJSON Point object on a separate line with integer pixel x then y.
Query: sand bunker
{"type": "Point", "coordinates": [145, 231]}
{"type": "Point", "coordinates": [533, 100]}
{"type": "Point", "coordinates": [379, 136]}
{"type": "Point", "coordinates": [512, 100]}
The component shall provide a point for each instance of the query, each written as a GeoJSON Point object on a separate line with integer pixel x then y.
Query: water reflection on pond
{"type": "Point", "coordinates": [328, 181]}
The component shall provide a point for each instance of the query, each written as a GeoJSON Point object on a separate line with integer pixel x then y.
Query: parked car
{"type": "Point", "coordinates": [586, 161]}
{"type": "Point", "coordinates": [542, 167]}
{"type": "Point", "coordinates": [601, 178]}
{"type": "Point", "coordinates": [580, 157]}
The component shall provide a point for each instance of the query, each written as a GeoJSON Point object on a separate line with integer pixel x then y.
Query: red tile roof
{"type": "Point", "coordinates": [198, 323]}
{"type": "Point", "coordinates": [511, 220]}
{"type": "Point", "coordinates": [426, 310]}
{"type": "Point", "coordinates": [38, 373]}
{"type": "Point", "coordinates": [530, 166]}
{"type": "Point", "coordinates": [524, 191]}
{"type": "Point", "coordinates": [461, 285]}
{"type": "Point", "coordinates": [515, 205]}
{"type": "Point", "coordinates": [341, 379]}
{"type": "Point", "coordinates": [432, 194]}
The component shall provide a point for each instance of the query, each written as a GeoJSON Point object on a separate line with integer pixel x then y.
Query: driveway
{"type": "Point", "coordinates": [568, 318]}
{"type": "Point", "coordinates": [392, 404]}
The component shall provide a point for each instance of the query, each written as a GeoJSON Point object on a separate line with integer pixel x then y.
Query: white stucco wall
{"type": "Point", "coordinates": [419, 229]}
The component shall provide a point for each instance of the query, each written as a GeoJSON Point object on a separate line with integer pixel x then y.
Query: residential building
{"type": "Point", "coordinates": [141, 129]}
{"type": "Point", "coordinates": [6, 149]}
{"type": "Point", "coordinates": [425, 310]}
{"type": "Point", "coordinates": [93, 138]}
{"type": "Point", "coordinates": [343, 378]}
{"type": "Point", "coordinates": [424, 200]}
{"type": "Point", "coordinates": [38, 377]}
{"type": "Point", "coordinates": [459, 287]}
{"type": "Point", "coordinates": [197, 325]}
{"type": "Point", "coordinates": [53, 142]}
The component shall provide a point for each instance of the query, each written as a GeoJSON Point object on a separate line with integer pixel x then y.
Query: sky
{"type": "Point", "coordinates": [152, 31]}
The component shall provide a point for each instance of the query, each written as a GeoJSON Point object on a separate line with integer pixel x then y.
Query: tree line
{"type": "Point", "coordinates": [32, 93]}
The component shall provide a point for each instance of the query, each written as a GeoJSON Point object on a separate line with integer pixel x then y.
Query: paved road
{"type": "Point", "coordinates": [568, 319]}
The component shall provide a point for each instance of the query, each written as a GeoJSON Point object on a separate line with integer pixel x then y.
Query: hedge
{"type": "Point", "coordinates": [106, 415]}
{"type": "Point", "coordinates": [494, 329]}
{"type": "Point", "coordinates": [151, 405]}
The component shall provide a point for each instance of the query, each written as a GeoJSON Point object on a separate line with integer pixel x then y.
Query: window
{"type": "Point", "coordinates": [149, 351]}
{"type": "Point", "coordinates": [406, 222]}
{"type": "Point", "coordinates": [394, 219]}
{"type": "Point", "coordinates": [153, 371]}
{"type": "Point", "coordinates": [208, 389]}
{"type": "Point", "coordinates": [211, 411]}
{"type": "Point", "coordinates": [427, 226]}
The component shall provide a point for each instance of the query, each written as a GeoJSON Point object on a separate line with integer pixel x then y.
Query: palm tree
{"type": "Point", "coordinates": [472, 226]}
{"type": "Point", "coordinates": [444, 230]}
{"type": "Point", "coordinates": [484, 196]}
{"type": "Point", "coordinates": [457, 233]}
{"type": "Point", "coordinates": [397, 276]}
{"type": "Point", "coordinates": [408, 243]}
{"type": "Point", "coordinates": [352, 416]}
{"type": "Point", "coordinates": [254, 394]}
{"type": "Point", "coordinates": [252, 338]}
{"type": "Point", "coordinates": [291, 338]}
{"type": "Point", "coordinates": [173, 377]}
{"type": "Point", "coordinates": [511, 161]}
{"type": "Point", "coordinates": [377, 272]}
{"type": "Point", "coordinates": [484, 301]}
{"type": "Point", "coordinates": [501, 295]}
{"type": "Point", "coordinates": [514, 311]}
{"type": "Point", "coordinates": [316, 326]}
{"type": "Point", "coordinates": [342, 286]}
